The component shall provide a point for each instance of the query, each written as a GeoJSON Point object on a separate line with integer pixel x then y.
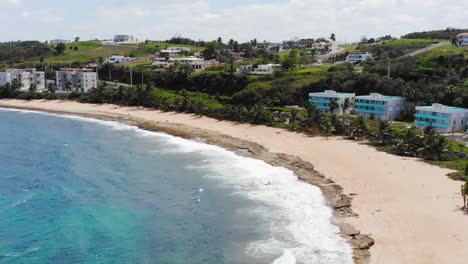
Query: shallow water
{"type": "Point", "coordinates": [76, 190]}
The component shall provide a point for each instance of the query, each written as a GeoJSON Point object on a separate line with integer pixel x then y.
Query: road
{"type": "Point", "coordinates": [426, 49]}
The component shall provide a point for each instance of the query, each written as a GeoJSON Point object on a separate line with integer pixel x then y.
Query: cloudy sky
{"type": "Point", "coordinates": [272, 20]}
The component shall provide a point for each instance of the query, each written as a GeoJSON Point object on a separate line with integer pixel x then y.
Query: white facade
{"type": "Point", "coordinates": [196, 64]}
{"type": "Point", "coordinates": [379, 107]}
{"type": "Point", "coordinates": [26, 78]}
{"type": "Point", "coordinates": [174, 51]}
{"type": "Point", "coordinates": [358, 57]}
{"type": "Point", "coordinates": [119, 59]}
{"type": "Point", "coordinates": [160, 62]}
{"type": "Point", "coordinates": [445, 119]}
{"type": "Point", "coordinates": [462, 39]}
{"type": "Point", "coordinates": [262, 69]}
{"type": "Point", "coordinates": [270, 47]}
{"type": "Point", "coordinates": [123, 38]}
{"type": "Point", "coordinates": [322, 100]}
{"type": "Point", "coordinates": [58, 41]}
{"type": "Point", "coordinates": [79, 80]}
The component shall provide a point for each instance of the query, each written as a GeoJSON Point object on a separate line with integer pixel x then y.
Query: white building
{"type": "Point", "coordinates": [444, 118]}
{"type": "Point", "coordinates": [262, 69]}
{"type": "Point", "coordinates": [160, 62]}
{"type": "Point", "coordinates": [270, 47]}
{"type": "Point", "coordinates": [379, 107]}
{"type": "Point", "coordinates": [322, 101]}
{"type": "Point", "coordinates": [358, 57]}
{"type": "Point", "coordinates": [119, 59]}
{"type": "Point", "coordinates": [174, 51]}
{"type": "Point", "coordinates": [58, 41]}
{"type": "Point", "coordinates": [462, 39]}
{"type": "Point", "coordinates": [26, 78]}
{"type": "Point", "coordinates": [196, 64]}
{"type": "Point", "coordinates": [75, 79]}
{"type": "Point", "coordinates": [123, 38]}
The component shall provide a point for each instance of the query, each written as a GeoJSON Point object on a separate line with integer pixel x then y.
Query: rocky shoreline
{"type": "Point", "coordinates": [336, 199]}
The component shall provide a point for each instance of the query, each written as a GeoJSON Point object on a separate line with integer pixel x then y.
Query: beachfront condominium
{"type": "Point", "coordinates": [75, 79]}
{"type": "Point", "coordinates": [379, 107]}
{"type": "Point", "coordinates": [323, 100]}
{"type": "Point", "coordinates": [462, 39]}
{"type": "Point", "coordinates": [444, 118]}
{"type": "Point", "coordinates": [26, 78]}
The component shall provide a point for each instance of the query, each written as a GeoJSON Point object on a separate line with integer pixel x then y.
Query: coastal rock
{"type": "Point", "coordinates": [362, 242]}
{"type": "Point", "coordinates": [349, 230]}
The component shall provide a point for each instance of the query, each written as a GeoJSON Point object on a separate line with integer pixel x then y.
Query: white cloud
{"type": "Point", "coordinates": [207, 19]}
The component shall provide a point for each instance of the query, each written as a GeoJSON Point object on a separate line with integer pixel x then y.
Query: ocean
{"type": "Point", "coordinates": [79, 190]}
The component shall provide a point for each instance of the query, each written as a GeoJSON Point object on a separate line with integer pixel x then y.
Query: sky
{"type": "Point", "coordinates": [243, 20]}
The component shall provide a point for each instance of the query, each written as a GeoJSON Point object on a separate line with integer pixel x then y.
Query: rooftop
{"type": "Point", "coordinates": [376, 96]}
{"type": "Point", "coordinates": [331, 93]}
{"type": "Point", "coordinates": [440, 107]}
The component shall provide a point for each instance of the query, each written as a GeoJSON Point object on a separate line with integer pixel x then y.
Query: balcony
{"type": "Point", "coordinates": [425, 123]}
{"type": "Point", "coordinates": [319, 101]}
{"type": "Point", "coordinates": [361, 110]}
{"type": "Point", "coordinates": [371, 105]}
{"type": "Point", "coordinates": [444, 118]}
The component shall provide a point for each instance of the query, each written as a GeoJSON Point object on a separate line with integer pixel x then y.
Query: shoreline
{"type": "Point", "coordinates": [410, 208]}
{"type": "Point", "coordinates": [336, 200]}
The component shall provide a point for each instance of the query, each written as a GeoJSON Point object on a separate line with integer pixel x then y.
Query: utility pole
{"type": "Point", "coordinates": [142, 76]}
{"type": "Point", "coordinates": [110, 75]}
{"type": "Point", "coordinates": [131, 77]}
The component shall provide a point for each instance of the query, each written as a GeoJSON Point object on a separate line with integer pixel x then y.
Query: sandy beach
{"type": "Point", "coordinates": [409, 207]}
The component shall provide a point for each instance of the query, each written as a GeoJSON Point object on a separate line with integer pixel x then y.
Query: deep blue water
{"type": "Point", "coordinates": [81, 191]}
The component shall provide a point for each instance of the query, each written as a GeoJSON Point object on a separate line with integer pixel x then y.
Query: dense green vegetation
{"type": "Point", "coordinates": [446, 34]}
{"type": "Point", "coordinates": [24, 50]}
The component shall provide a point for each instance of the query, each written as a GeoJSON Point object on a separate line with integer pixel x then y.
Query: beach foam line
{"type": "Point", "coordinates": [297, 218]}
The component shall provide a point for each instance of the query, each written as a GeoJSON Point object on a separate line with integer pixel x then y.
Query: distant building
{"type": "Point", "coordinates": [160, 62]}
{"type": "Point", "coordinates": [75, 79]}
{"type": "Point", "coordinates": [322, 100]}
{"type": "Point", "coordinates": [270, 47]}
{"type": "Point", "coordinates": [174, 51]}
{"type": "Point", "coordinates": [123, 38]}
{"type": "Point", "coordinates": [379, 107]}
{"type": "Point", "coordinates": [196, 64]}
{"type": "Point", "coordinates": [58, 41]}
{"type": "Point", "coordinates": [358, 57]}
{"type": "Point", "coordinates": [262, 69]}
{"type": "Point", "coordinates": [462, 39]}
{"type": "Point", "coordinates": [25, 77]}
{"type": "Point", "coordinates": [444, 118]}
{"type": "Point", "coordinates": [119, 59]}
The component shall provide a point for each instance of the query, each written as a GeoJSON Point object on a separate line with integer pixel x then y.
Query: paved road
{"type": "Point", "coordinates": [426, 49]}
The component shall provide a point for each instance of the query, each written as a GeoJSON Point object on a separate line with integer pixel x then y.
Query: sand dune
{"type": "Point", "coordinates": [409, 207]}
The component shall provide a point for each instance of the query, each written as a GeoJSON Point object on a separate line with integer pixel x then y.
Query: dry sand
{"type": "Point", "coordinates": [409, 207]}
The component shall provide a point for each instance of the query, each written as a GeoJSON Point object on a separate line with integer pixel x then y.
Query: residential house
{"type": "Point", "coordinates": [174, 51]}
{"type": "Point", "coordinates": [26, 77]}
{"type": "Point", "coordinates": [262, 69]}
{"type": "Point", "coordinates": [58, 41]}
{"type": "Point", "coordinates": [462, 39]}
{"type": "Point", "coordinates": [270, 47]}
{"type": "Point", "coordinates": [379, 107]}
{"type": "Point", "coordinates": [444, 118]}
{"type": "Point", "coordinates": [119, 59]}
{"type": "Point", "coordinates": [76, 79]}
{"type": "Point", "coordinates": [123, 38]}
{"type": "Point", "coordinates": [322, 100]}
{"type": "Point", "coordinates": [358, 57]}
{"type": "Point", "coordinates": [160, 62]}
{"type": "Point", "coordinates": [197, 64]}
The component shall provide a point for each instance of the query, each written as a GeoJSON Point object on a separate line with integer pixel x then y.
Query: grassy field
{"type": "Point", "coordinates": [145, 49]}
{"type": "Point", "coordinates": [412, 42]}
{"type": "Point", "coordinates": [89, 51]}
{"type": "Point", "coordinates": [443, 51]}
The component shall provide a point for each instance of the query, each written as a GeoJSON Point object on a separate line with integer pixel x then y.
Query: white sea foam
{"type": "Point", "coordinates": [298, 220]}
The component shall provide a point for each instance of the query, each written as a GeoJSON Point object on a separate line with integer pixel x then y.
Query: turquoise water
{"type": "Point", "coordinates": [75, 190]}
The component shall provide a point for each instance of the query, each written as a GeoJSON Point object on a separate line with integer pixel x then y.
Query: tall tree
{"type": "Point", "coordinates": [333, 37]}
